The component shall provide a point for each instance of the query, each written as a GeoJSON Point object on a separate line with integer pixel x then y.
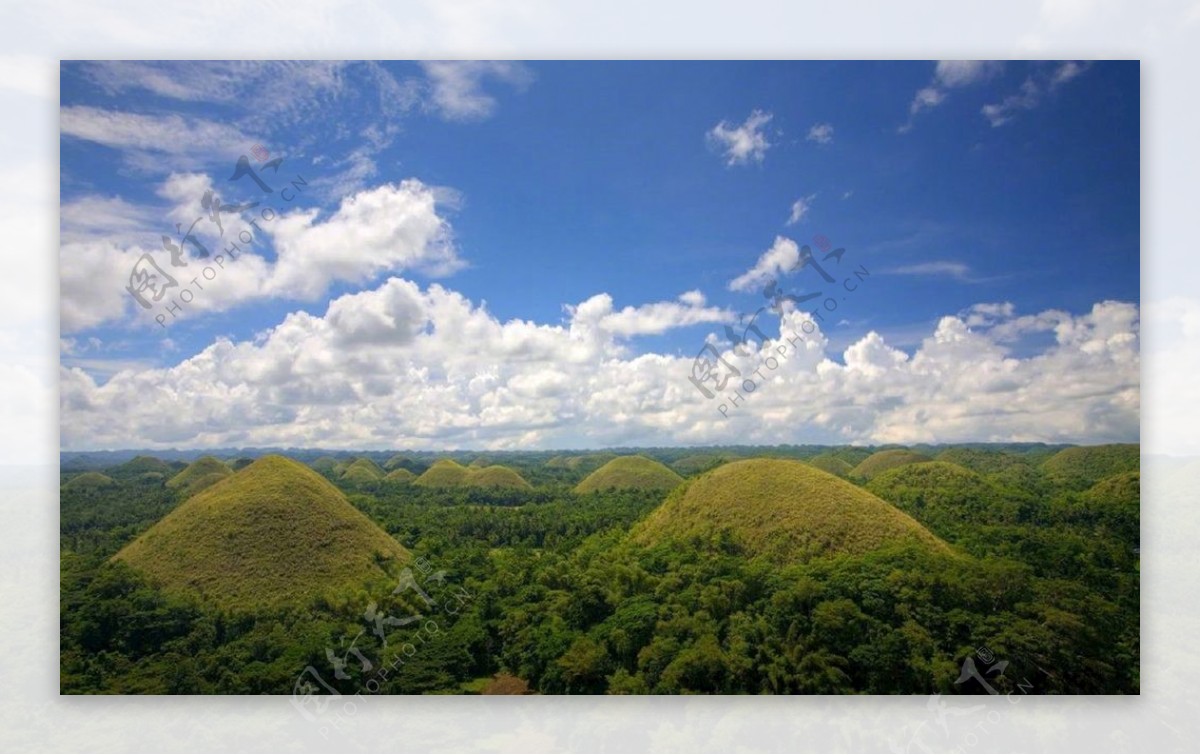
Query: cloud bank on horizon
{"type": "Point", "coordinates": [472, 265]}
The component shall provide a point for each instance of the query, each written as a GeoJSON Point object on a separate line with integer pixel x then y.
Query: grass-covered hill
{"type": "Point", "coordinates": [276, 533]}
{"type": "Point", "coordinates": [89, 482]}
{"type": "Point", "coordinates": [782, 510]}
{"type": "Point", "coordinates": [496, 476]}
{"type": "Point", "coordinates": [445, 473]}
{"type": "Point", "coordinates": [983, 462]}
{"type": "Point", "coordinates": [400, 474]}
{"type": "Point", "coordinates": [140, 465]}
{"type": "Point", "coordinates": [944, 497]}
{"type": "Point", "coordinates": [199, 475]}
{"type": "Point", "coordinates": [834, 465]}
{"type": "Point", "coordinates": [448, 473]}
{"type": "Point", "coordinates": [584, 463]}
{"type": "Point", "coordinates": [1083, 466]}
{"type": "Point", "coordinates": [324, 464]}
{"type": "Point", "coordinates": [362, 471]}
{"type": "Point", "coordinates": [1112, 505]}
{"type": "Point", "coordinates": [882, 461]}
{"type": "Point", "coordinates": [698, 463]}
{"type": "Point", "coordinates": [630, 473]}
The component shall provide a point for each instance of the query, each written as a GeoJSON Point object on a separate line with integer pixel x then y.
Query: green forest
{"type": "Point", "coordinates": [735, 570]}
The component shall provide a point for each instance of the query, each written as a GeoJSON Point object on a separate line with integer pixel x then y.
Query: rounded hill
{"type": "Point", "coordinates": [944, 496]}
{"type": "Point", "coordinates": [834, 465]}
{"type": "Point", "coordinates": [400, 474]}
{"type": "Point", "coordinates": [448, 473]}
{"type": "Point", "coordinates": [199, 474]}
{"type": "Point", "coordinates": [630, 473]}
{"type": "Point", "coordinates": [445, 473]}
{"type": "Point", "coordinates": [140, 465]}
{"type": "Point", "coordinates": [882, 461]}
{"type": "Point", "coordinates": [496, 476]}
{"type": "Point", "coordinates": [1083, 466]}
{"type": "Point", "coordinates": [88, 482]}
{"type": "Point", "coordinates": [275, 533]}
{"type": "Point", "coordinates": [362, 470]}
{"type": "Point", "coordinates": [782, 510]}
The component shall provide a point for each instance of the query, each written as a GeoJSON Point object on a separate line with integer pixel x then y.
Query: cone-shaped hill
{"type": "Point", "coordinates": [362, 470]}
{"type": "Point", "coordinates": [1081, 467]}
{"type": "Point", "coordinates": [448, 473]}
{"type": "Point", "coordinates": [88, 482]}
{"type": "Point", "coordinates": [400, 474]}
{"type": "Point", "coordinates": [140, 465]}
{"type": "Point", "coordinates": [496, 476]}
{"type": "Point", "coordinates": [782, 510]}
{"type": "Point", "coordinates": [882, 461]}
{"type": "Point", "coordinates": [275, 533]}
{"type": "Point", "coordinates": [630, 473]}
{"type": "Point", "coordinates": [445, 473]}
{"type": "Point", "coordinates": [944, 496]}
{"type": "Point", "coordinates": [199, 475]}
{"type": "Point", "coordinates": [834, 465]}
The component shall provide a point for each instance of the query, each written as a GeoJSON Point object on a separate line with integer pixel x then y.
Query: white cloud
{"type": "Point", "coordinates": [456, 87]}
{"type": "Point", "coordinates": [745, 143]}
{"type": "Point", "coordinates": [783, 255]}
{"type": "Point", "coordinates": [800, 209]}
{"type": "Point", "coordinates": [1032, 91]}
{"type": "Point", "coordinates": [399, 366]}
{"type": "Point", "coordinates": [821, 133]}
{"type": "Point", "coordinates": [151, 138]}
{"type": "Point", "coordinates": [942, 268]}
{"type": "Point", "coordinates": [947, 75]}
{"type": "Point", "coordinates": [386, 229]}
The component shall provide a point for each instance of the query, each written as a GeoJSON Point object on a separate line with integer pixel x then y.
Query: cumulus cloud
{"type": "Point", "coordinates": [800, 209]}
{"type": "Point", "coordinates": [457, 87]}
{"type": "Point", "coordinates": [401, 366]}
{"type": "Point", "coordinates": [385, 229]}
{"type": "Point", "coordinates": [821, 133]}
{"type": "Point", "coordinates": [742, 144]}
{"type": "Point", "coordinates": [947, 75]}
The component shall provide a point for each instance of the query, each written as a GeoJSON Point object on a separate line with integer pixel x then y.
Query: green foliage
{"type": "Point", "coordinates": [882, 461]}
{"type": "Point", "coordinates": [198, 475]}
{"type": "Point", "coordinates": [757, 577]}
{"type": "Point", "coordinates": [400, 474]}
{"type": "Point", "coordinates": [945, 497]}
{"type": "Point", "coordinates": [1083, 466]}
{"type": "Point", "coordinates": [630, 473]}
{"type": "Point", "coordinates": [361, 471]}
{"type": "Point", "coordinates": [88, 482]}
{"type": "Point", "coordinates": [834, 465]}
{"type": "Point", "coordinates": [448, 473]}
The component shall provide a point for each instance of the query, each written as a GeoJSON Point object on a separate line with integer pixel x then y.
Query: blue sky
{"type": "Point", "coordinates": [1009, 188]}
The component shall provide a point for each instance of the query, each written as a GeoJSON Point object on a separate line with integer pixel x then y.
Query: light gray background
{"type": "Point", "coordinates": [34, 36]}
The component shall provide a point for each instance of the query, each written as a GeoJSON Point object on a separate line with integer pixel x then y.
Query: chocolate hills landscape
{"type": "Point", "coordinates": [737, 570]}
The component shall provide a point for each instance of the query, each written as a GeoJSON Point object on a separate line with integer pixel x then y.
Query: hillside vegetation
{"type": "Point", "coordinates": [882, 461]}
{"type": "Point", "coordinates": [1083, 466]}
{"type": "Point", "coordinates": [784, 511]}
{"type": "Point", "coordinates": [448, 473]}
{"type": "Point", "coordinates": [630, 473]}
{"type": "Point", "coordinates": [274, 533]}
{"type": "Point", "coordinates": [198, 475]}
